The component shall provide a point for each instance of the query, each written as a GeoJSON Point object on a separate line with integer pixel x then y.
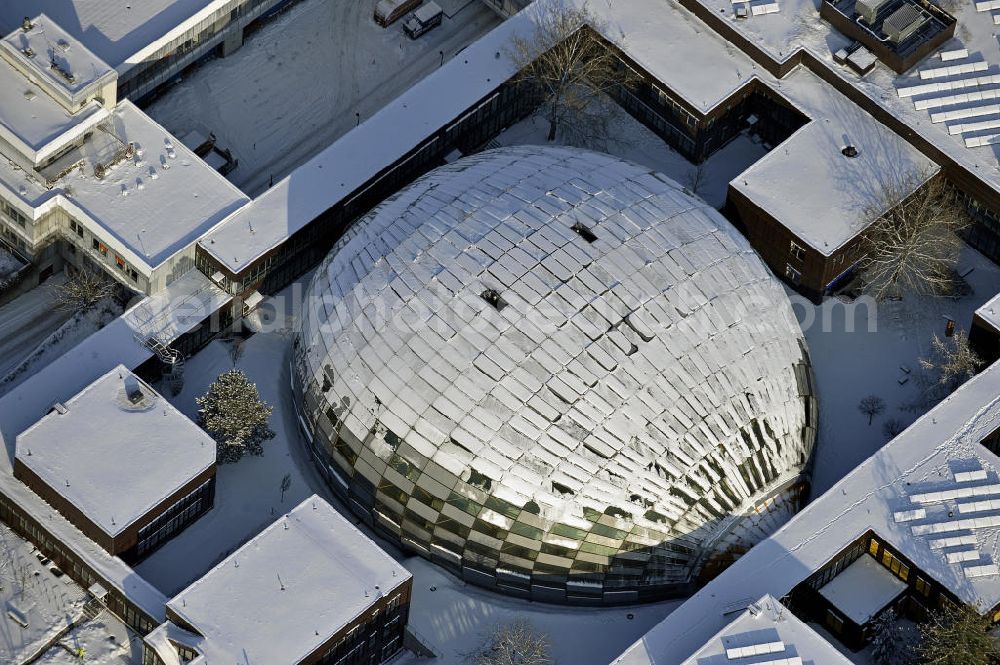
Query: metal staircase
{"type": "Point", "coordinates": [173, 361]}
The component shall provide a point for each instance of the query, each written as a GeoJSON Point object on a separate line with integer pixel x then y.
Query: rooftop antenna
{"type": "Point", "coordinates": [26, 24]}
{"type": "Point", "coordinates": [280, 583]}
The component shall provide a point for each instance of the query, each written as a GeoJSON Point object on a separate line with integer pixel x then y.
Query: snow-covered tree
{"type": "Point", "coordinates": [235, 415]}
{"type": "Point", "coordinates": [871, 406]}
{"type": "Point", "coordinates": [957, 635]}
{"type": "Point", "coordinates": [514, 643]}
{"type": "Point", "coordinates": [953, 359]}
{"type": "Point", "coordinates": [885, 641]}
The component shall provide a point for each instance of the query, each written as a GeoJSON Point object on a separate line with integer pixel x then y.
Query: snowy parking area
{"type": "Point", "coordinates": [305, 79]}
{"type": "Point", "coordinates": [37, 605]}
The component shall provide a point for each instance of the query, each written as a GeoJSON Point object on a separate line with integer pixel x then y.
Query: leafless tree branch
{"type": "Point", "coordinates": [515, 643]}
{"type": "Point", "coordinates": [912, 243]}
{"type": "Point", "coordinates": [571, 68]}
{"type": "Point", "coordinates": [82, 291]}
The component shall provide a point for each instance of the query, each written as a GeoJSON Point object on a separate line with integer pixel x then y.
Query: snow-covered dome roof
{"type": "Point", "coordinates": [545, 366]}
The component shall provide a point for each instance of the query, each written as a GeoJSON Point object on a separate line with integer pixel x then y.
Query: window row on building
{"type": "Point", "coordinates": [175, 519]}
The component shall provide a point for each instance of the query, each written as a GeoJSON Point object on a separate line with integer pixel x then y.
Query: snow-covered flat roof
{"type": "Point", "coordinates": [155, 204]}
{"type": "Point", "coordinates": [158, 202]}
{"type": "Point", "coordinates": [799, 26]}
{"type": "Point", "coordinates": [932, 455]}
{"type": "Point", "coordinates": [862, 589]}
{"type": "Point", "coordinates": [811, 187]}
{"type": "Point", "coordinates": [114, 30]}
{"type": "Point", "coordinates": [990, 311]}
{"type": "Point", "coordinates": [34, 123]}
{"type": "Point", "coordinates": [642, 28]}
{"type": "Point", "coordinates": [289, 589]}
{"type": "Point", "coordinates": [56, 56]}
{"type": "Point", "coordinates": [766, 632]}
{"type": "Point", "coordinates": [112, 458]}
{"type": "Point", "coordinates": [103, 351]}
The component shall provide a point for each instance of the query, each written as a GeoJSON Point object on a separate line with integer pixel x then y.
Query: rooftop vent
{"type": "Point", "coordinates": [584, 232]}
{"type": "Point", "coordinates": [868, 9]}
{"type": "Point", "coordinates": [493, 297]}
{"type": "Point", "coordinates": [63, 44]}
{"type": "Point", "coordinates": [62, 71]}
{"type": "Point", "coordinates": [903, 23]}
{"type": "Point", "coordinates": [849, 151]}
{"type": "Point", "coordinates": [132, 390]}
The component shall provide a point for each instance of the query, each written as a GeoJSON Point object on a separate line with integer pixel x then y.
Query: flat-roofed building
{"type": "Point", "coordinates": [912, 528]}
{"type": "Point", "coordinates": [91, 182]}
{"type": "Point", "coordinates": [149, 42]}
{"type": "Point", "coordinates": [310, 588]}
{"type": "Point", "coordinates": [766, 633]}
{"type": "Point", "coordinates": [121, 463]}
{"type": "Point", "coordinates": [806, 204]}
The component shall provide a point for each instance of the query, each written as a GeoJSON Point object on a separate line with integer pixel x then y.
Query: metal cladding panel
{"type": "Point", "coordinates": [562, 366]}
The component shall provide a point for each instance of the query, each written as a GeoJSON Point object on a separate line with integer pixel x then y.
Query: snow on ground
{"type": "Point", "coordinates": [909, 633]}
{"type": "Point", "coordinates": [851, 365]}
{"type": "Point", "coordinates": [454, 618]}
{"type": "Point", "coordinates": [25, 320]}
{"type": "Point", "coordinates": [296, 84]}
{"type": "Point", "coordinates": [72, 329]}
{"type": "Point", "coordinates": [248, 493]}
{"type": "Point", "coordinates": [36, 605]}
{"type": "Point", "coordinates": [103, 640]}
{"type": "Point", "coordinates": [634, 141]}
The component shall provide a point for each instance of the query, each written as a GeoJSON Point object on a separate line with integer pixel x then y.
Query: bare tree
{"type": "Point", "coordinates": [957, 635]}
{"type": "Point", "coordinates": [696, 178]}
{"type": "Point", "coordinates": [891, 428]}
{"type": "Point", "coordinates": [570, 67]}
{"type": "Point", "coordinates": [514, 643]}
{"type": "Point", "coordinates": [953, 359]}
{"type": "Point", "coordinates": [912, 242]}
{"type": "Point", "coordinates": [871, 406]}
{"type": "Point", "coordinates": [83, 290]}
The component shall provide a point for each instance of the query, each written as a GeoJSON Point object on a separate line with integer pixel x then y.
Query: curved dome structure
{"type": "Point", "coordinates": [557, 374]}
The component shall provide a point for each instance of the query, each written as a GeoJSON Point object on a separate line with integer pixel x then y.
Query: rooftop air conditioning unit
{"type": "Point", "coordinates": [903, 23]}
{"type": "Point", "coordinates": [868, 9]}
